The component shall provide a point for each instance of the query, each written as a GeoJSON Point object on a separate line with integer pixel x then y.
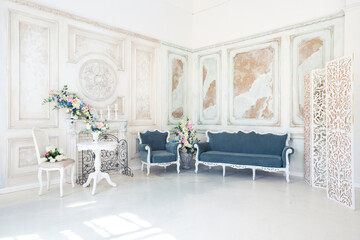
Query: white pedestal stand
{"type": "Point", "coordinates": [96, 148]}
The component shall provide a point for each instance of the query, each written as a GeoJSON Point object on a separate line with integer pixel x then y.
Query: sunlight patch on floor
{"type": "Point", "coordinates": [24, 237]}
{"type": "Point", "coordinates": [80, 204]}
{"type": "Point", "coordinates": [70, 235]}
{"type": "Point", "coordinates": [126, 226]}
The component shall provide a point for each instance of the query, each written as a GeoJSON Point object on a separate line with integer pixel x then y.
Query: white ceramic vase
{"type": "Point", "coordinates": [95, 136]}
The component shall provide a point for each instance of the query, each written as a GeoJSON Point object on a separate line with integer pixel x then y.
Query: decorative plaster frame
{"type": "Point", "coordinates": [148, 162]}
{"type": "Point", "coordinates": [294, 52]}
{"type": "Point", "coordinates": [239, 166]}
{"type": "Point", "coordinates": [14, 147]}
{"type": "Point", "coordinates": [201, 58]}
{"type": "Point", "coordinates": [184, 58]}
{"type": "Point", "coordinates": [134, 98]}
{"type": "Point", "coordinates": [15, 18]}
{"type": "Point", "coordinates": [276, 45]}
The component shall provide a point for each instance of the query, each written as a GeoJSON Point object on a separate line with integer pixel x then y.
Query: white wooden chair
{"type": "Point", "coordinates": [41, 141]}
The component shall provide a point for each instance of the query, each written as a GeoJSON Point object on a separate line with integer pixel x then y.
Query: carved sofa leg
{"type": "Point", "coordinates": [253, 170]}
{"type": "Point", "coordinates": [287, 176]}
{"type": "Point", "coordinates": [224, 170]}
{"type": "Point", "coordinates": [148, 169]}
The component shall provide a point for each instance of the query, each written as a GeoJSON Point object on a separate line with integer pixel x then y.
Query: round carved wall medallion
{"type": "Point", "coordinates": [97, 80]}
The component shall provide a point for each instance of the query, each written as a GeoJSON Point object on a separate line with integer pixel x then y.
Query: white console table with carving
{"type": "Point", "coordinates": [96, 148]}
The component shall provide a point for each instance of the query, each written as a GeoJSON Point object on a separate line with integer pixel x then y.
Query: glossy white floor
{"type": "Point", "coordinates": [186, 206]}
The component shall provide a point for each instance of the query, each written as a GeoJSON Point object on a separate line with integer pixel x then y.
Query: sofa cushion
{"type": "Point", "coordinates": [156, 139]}
{"type": "Point", "coordinates": [162, 157]}
{"type": "Point", "coordinates": [240, 142]}
{"type": "Point", "coordinates": [263, 160]}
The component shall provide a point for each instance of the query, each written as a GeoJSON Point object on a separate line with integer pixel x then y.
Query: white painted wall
{"type": "Point", "coordinates": [159, 19]}
{"type": "Point", "coordinates": [352, 46]}
{"type": "Point", "coordinates": [238, 18]}
{"type": "Point", "coordinates": [3, 91]}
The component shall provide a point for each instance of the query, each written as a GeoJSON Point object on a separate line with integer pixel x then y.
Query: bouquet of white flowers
{"type": "Point", "coordinates": [53, 155]}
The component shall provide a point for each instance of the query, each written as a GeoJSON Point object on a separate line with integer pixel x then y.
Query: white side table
{"type": "Point", "coordinates": [96, 148]}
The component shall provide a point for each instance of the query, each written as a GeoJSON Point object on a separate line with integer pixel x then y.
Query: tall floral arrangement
{"type": "Point", "coordinates": [186, 135]}
{"type": "Point", "coordinates": [69, 101]}
{"type": "Point", "coordinates": [77, 108]}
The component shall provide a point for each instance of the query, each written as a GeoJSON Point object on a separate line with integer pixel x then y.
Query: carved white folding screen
{"type": "Point", "coordinates": [315, 128]}
{"type": "Point", "coordinates": [339, 131]}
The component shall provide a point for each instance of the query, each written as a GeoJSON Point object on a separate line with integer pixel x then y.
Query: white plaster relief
{"type": "Point", "coordinates": [98, 80]}
{"type": "Point", "coordinates": [83, 42]}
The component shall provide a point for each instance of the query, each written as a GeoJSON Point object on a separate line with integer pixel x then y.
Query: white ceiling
{"type": "Point", "coordinates": [196, 6]}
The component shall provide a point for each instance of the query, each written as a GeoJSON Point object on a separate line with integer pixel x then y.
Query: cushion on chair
{"type": "Point", "coordinates": [242, 159]}
{"type": "Point", "coordinates": [162, 157]}
{"type": "Point", "coordinates": [156, 139]}
{"type": "Point", "coordinates": [61, 164]}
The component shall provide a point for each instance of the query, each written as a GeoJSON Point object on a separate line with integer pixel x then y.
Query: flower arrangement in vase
{"type": "Point", "coordinates": [96, 128]}
{"type": "Point", "coordinates": [186, 135]}
{"type": "Point", "coordinates": [53, 155]}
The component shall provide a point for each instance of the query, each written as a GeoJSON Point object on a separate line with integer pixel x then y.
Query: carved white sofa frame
{"type": "Point", "coordinates": [148, 162]}
{"type": "Point", "coordinates": [238, 166]}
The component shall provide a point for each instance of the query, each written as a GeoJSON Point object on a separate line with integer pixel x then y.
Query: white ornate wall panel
{"type": "Point", "coordinates": [339, 131]}
{"type": "Point", "coordinates": [83, 42]}
{"type": "Point", "coordinates": [177, 77]}
{"type": "Point", "coordinates": [210, 79]}
{"type": "Point", "coordinates": [22, 156]}
{"type": "Point", "coordinates": [315, 128]}
{"type": "Point", "coordinates": [143, 85]}
{"type": "Point", "coordinates": [34, 70]}
{"type": "Point", "coordinates": [309, 51]}
{"type": "Point", "coordinates": [254, 84]}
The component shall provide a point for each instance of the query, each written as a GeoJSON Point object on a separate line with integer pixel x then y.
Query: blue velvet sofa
{"type": "Point", "coordinates": [240, 150]}
{"type": "Point", "coordinates": [156, 150]}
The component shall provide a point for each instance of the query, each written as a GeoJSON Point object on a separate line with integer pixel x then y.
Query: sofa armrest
{"type": "Point", "coordinates": [172, 147]}
{"type": "Point", "coordinates": [142, 147]}
{"type": "Point", "coordinates": [287, 151]}
{"type": "Point", "coordinates": [202, 147]}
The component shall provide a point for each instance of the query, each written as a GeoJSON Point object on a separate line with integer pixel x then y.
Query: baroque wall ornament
{"type": "Point", "coordinates": [339, 131]}
{"type": "Point", "coordinates": [98, 80]}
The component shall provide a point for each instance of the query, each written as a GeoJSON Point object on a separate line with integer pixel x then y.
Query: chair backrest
{"type": "Point", "coordinates": [41, 141]}
{"type": "Point", "coordinates": [156, 139]}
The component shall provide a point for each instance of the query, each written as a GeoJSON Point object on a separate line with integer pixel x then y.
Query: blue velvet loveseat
{"type": "Point", "coordinates": [240, 150]}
